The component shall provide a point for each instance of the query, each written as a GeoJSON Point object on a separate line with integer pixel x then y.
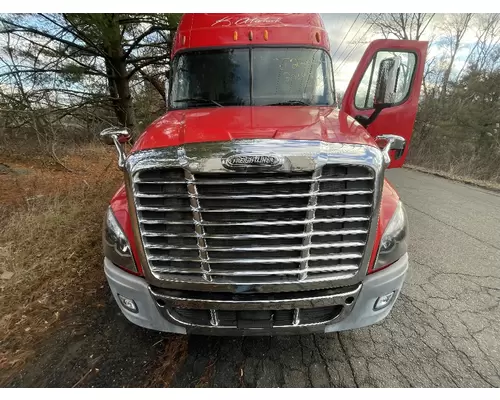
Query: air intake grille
{"type": "Point", "coordinates": [256, 227]}
{"type": "Point", "coordinates": [257, 318]}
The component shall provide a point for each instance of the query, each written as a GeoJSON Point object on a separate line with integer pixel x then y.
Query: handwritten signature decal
{"type": "Point", "coordinates": [246, 21]}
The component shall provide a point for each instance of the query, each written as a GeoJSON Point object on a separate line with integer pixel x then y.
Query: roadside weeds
{"type": "Point", "coordinates": [50, 249]}
{"type": "Point", "coordinates": [489, 185]}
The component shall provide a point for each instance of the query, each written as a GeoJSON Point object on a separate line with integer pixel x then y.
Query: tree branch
{"type": "Point", "coordinates": [139, 39]}
{"type": "Point", "coordinates": [146, 61]}
{"type": "Point", "coordinates": [56, 70]}
{"type": "Point", "coordinates": [34, 31]}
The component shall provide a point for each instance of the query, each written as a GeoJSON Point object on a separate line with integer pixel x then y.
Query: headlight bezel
{"type": "Point", "coordinates": [393, 243]}
{"type": "Point", "coordinates": [116, 246]}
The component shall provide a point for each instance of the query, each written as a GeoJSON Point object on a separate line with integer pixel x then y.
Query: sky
{"type": "Point", "coordinates": [345, 31]}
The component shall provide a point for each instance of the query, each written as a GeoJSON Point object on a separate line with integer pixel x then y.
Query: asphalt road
{"type": "Point", "coordinates": [444, 331]}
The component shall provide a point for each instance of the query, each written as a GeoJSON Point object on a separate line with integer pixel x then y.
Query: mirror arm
{"type": "Point", "coordinates": [365, 121]}
{"type": "Point", "coordinates": [116, 136]}
{"type": "Point", "coordinates": [121, 152]}
{"type": "Point", "coordinates": [386, 150]}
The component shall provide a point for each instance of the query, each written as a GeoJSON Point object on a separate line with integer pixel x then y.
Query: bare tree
{"type": "Point", "coordinates": [454, 26]}
{"type": "Point", "coordinates": [482, 56]}
{"type": "Point", "coordinates": [488, 40]}
{"type": "Point", "coordinates": [428, 79]}
{"type": "Point", "coordinates": [21, 97]}
{"type": "Point", "coordinates": [404, 26]}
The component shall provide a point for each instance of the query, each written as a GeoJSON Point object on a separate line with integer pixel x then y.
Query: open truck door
{"type": "Point", "coordinates": [384, 91]}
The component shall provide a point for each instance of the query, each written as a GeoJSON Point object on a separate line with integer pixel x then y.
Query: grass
{"type": "Point", "coordinates": [51, 242]}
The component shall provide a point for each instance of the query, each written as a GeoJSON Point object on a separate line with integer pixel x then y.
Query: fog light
{"type": "Point", "coordinates": [383, 301]}
{"type": "Point", "coordinates": [129, 304]}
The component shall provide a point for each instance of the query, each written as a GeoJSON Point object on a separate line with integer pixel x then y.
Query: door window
{"type": "Point", "coordinates": [404, 64]}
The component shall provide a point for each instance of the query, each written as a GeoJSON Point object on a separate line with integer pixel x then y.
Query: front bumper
{"type": "Point", "coordinates": [357, 304]}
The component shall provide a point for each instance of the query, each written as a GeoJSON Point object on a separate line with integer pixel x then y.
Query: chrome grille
{"type": "Point", "coordinates": [255, 227]}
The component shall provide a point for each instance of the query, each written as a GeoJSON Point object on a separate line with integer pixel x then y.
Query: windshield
{"type": "Point", "coordinates": [257, 76]}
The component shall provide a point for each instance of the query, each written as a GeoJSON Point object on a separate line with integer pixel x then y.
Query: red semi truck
{"type": "Point", "coordinates": [257, 205]}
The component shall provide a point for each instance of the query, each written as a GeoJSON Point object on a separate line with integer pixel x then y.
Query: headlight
{"type": "Point", "coordinates": [115, 244]}
{"type": "Point", "coordinates": [393, 243]}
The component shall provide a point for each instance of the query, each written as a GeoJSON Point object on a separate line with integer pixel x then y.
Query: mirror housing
{"type": "Point", "coordinates": [387, 81]}
{"type": "Point", "coordinates": [116, 136]}
{"type": "Point", "coordinates": [392, 142]}
{"type": "Point", "coordinates": [385, 88]}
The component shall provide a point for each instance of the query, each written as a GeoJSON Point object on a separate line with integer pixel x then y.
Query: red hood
{"type": "Point", "coordinates": [233, 123]}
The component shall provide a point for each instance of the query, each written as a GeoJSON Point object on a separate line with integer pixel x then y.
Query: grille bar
{"type": "Point", "coordinates": [261, 248]}
{"type": "Point", "coordinates": [254, 182]}
{"type": "Point", "coordinates": [310, 216]}
{"type": "Point", "coordinates": [222, 272]}
{"type": "Point", "coordinates": [257, 236]}
{"type": "Point", "coordinates": [257, 196]}
{"type": "Point", "coordinates": [282, 209]}
{"type": "Point", "coordinates": [200, 232]}
{"type": "Point", "coordinates": [274, 260]}
{"type": "Point", "coordinates": [251, 223]}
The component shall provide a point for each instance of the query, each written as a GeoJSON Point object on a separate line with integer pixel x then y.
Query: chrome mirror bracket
{"type": "Point", "coordinates": [393, 142]}
{"type": "Point", "coordinates": [116, 136]}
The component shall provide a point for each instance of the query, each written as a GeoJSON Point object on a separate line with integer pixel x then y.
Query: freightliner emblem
{"type": "Point", "coordinates": [245, 162]}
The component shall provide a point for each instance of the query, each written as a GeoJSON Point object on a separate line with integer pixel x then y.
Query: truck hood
{"type": "Point", "coordinates": [268, 122]}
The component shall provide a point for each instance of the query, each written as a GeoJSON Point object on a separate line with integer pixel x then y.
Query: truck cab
{"type": "Point", "coordinates": [258, 205]}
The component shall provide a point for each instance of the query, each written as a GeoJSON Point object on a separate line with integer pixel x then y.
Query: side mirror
{"type": "Point", "coordinates": [116, 136]}
{"type": "Point", "coordinates": [387, 81]}
{"type": "Point", "coordinates": [385, 89]}
{"type": "Point", "coordinates": [392, 142]}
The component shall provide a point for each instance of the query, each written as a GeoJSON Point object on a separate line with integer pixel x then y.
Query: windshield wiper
{"type": "Point", "coordinates": [290, 103]}
{"type": "Point", "coordinates": [199, 99]}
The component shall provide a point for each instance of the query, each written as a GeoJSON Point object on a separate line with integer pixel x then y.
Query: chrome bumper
{"type": "Point", "coordinates": [356, 304]}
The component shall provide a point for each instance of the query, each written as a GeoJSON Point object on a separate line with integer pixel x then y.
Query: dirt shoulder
{"type": "Point", "coordinates": [50, 262]}
{"type": "Point", "coordinates": [95, 347]}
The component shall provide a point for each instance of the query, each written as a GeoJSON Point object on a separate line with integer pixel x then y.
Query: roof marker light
{"type": "Point", "coordinates": [183, 40]}
{"type": "Point", "coordinates": [317, 37]}
{"type": "Point", "coordinates": [266, 35]}
{"type": "Point", "coordinates": [235, 35]}
{"type": "Point", "coordinates": [250, 35]}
